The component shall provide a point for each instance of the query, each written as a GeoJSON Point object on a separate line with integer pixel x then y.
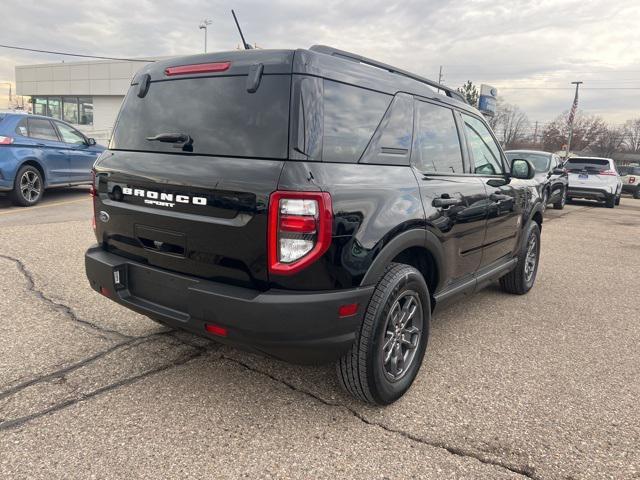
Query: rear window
{"type": "Point", "coordinates": [578, 164]}
{"type": "Point", "coordinates": [217, 113]}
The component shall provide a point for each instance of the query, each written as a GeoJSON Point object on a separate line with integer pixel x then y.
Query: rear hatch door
{"type": "Point", "coordinates": [194, 156]}
{"type": "Point", "coordinates": [593, 173]}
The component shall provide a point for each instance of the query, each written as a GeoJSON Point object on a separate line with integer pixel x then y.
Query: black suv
{"type": "Point", "coordinates": [312, 205]}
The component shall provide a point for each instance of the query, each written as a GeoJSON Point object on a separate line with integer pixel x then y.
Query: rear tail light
{"type": "Point", "coordinates": [607, 172]}
{"type": "Point", "coordinates": [197, 68]}
{"type": "Point", "coordinates": [632, 179]}
{"type": "Point", "coordinates": [6, 140]}
{"type": "Point", "coordinates": [299, 230]}
{"type": "Point", "coordinates": [93, 192]}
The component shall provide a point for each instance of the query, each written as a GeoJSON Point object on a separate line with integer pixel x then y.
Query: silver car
{"type": "Point", "coordinates": [594, 178]}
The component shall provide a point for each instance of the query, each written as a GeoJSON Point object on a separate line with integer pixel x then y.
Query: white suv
{"type": "Point", "coordinates": [595, 179]}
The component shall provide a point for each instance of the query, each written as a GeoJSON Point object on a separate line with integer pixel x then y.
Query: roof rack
{"type": "Point", "coordinates": [354, 57]}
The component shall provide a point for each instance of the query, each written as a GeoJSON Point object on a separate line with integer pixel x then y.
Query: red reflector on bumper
{"type": "Point", "coordinates": [347, 310]}
{"type": "Point", "coordinates": [105, 291]}
{"type": "Point", "coordinates": [216, 330]}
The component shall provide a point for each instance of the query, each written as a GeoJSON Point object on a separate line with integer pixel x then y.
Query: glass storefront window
{"type": "Point", "coordinates": [40, 106]}
{"type": "Point", "coordinates": [86, 110]}
{"type": "Point", "coordinates": [75, 110]}
{"type": "Point", "coordinates": [55, 107]}
{"type": "Point", "coordinates": [70, 109]}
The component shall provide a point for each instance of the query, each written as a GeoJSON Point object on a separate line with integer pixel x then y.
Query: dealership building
{"type": "Point", "coordinates": [86, 94]}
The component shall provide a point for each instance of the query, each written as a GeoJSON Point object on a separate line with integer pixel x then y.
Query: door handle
{"type": "Point", "coordinates": [498, 197]}
{"type": "Point", "coordinates": [446, 202]}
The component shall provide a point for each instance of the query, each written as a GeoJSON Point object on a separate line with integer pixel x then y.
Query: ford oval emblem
{"type": "Point", "coordinates": [104, 216]}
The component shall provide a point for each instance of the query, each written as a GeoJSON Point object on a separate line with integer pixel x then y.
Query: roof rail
{"type": "Point", "coordinates": [354, 57]}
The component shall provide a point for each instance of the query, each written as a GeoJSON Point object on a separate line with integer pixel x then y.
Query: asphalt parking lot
{"type": "Point", "coordinates": [542, 386]}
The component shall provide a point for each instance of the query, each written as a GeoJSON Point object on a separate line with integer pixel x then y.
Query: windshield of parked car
{"type": "Point", "coordinates": [579, 164]}
{"type": "Point", "coordinates": [539, 160]}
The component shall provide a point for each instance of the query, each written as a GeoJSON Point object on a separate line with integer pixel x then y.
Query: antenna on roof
{"type": "Point", "coordinates": [245, 44]}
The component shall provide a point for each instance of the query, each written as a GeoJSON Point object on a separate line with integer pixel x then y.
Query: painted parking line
{"type": "Point", "coordinates": [56, 204]}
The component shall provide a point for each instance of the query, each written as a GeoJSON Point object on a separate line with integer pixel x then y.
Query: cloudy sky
{"type": "Point", "coordinates": [530, 50]}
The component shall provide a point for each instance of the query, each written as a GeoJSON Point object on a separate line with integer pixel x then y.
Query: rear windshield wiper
{"type": "Point", "coordinates": [182, 140]}
{"type": "Point", "coordinates": [170, 138]}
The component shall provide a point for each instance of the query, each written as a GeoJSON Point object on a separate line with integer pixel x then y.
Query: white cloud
{"type": "Point", "coordinates": [509, 44]}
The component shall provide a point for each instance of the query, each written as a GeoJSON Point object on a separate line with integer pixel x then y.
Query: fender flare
{"type": "Point", "coordinates": [410, 238]}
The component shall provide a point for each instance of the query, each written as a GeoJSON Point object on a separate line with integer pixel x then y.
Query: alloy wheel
{"type": "Point", "coordinates": [531, 258]}
{"type": "Point", "coordinates": [402, 334]}
{"type": "Point", "coordinates": [30, 186]}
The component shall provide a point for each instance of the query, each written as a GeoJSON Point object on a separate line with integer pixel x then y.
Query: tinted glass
{"type": "Point", "coordinates": [437, 145]}
{"type": "Point", "coordinates": [41, 128]}
{"type": "Point", "coordinates": [85, 110]}
{"type": "Point", "coordinates": [22, 129]}
{"type": "Point", "coordinates": [219, 115]}
{"type": "Point", "coordinates": [55, 107]}
{"type": "Point", "coordinates": [578, 164]}
{"type": "Point", "coordinates": [351, 115]}
{"type": "Point", "coordinates": [483, 148]}
{"type": "Point", "coordinates": [539, 161]}
{"type": "Point", "coordinates": [70, 135]}
{"type": "Point", "coordinates": [391, 144]}
{"type": "Point", "coordinates": [40, 106]}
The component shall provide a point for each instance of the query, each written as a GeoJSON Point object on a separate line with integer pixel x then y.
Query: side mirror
{"type": "Point", "coordinates": [522, 169]}
{"type": "Point", "coordinates": [558, 171]}
{"type": "Point", "coordinates": [91, 141]}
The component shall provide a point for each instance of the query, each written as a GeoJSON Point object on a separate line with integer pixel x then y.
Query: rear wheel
{"type": "Point", "coordinates": [610, 202]}
{"type": "Point", "coordinates": [28, 187]}
{"type": "Point", "coordinates": [618, 198]}
{"type": "Point", "coordinates": [521, 279]}
{"type": "Point", "coordinates": [636, 194]}
{"type": "Point", "coordinates": [559, 205]}
{"type": "Point", "coordinates": [388, 351]}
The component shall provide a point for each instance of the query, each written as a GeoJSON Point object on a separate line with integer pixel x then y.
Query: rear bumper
{"type": "Point", "coordinates": [298, 327]}
{"type": "Point", "coordinates": [589, 193]}
{"type": "Point", "coordinates": [630, 187]}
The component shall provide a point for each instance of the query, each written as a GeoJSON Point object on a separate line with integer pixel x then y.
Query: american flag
{"type": "Point", "coordinates": [574, 107]}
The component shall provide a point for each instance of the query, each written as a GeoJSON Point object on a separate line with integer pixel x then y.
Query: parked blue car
{"type": "Point", "coordinates": [38, 152]}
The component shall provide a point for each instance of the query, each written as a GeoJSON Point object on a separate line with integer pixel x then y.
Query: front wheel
{"type": "Point", "coordinates": [27, 187]}
{"type": "Point", "coordinates": [388, 351]}
{"type": "Point", "coordinates": [522, 277]}
{"type": "Point", "coordinates": [618, 198]}
{"type": "Point", "coordinates": [610, 202]}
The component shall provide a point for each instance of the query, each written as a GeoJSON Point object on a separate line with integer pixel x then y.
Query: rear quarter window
{"type": "Point", "coordinates": [351, 116]}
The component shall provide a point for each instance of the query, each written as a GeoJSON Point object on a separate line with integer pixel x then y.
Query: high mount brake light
{"type": "Point", "coordinates": [197, 68]}
{"type": "Point", "coordinates": [300, 226]}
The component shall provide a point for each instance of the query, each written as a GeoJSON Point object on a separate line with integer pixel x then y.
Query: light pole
{"type": "Point", "coordinates": [572, 115]}
{"type": "Point", "coordinates": [203, 26]}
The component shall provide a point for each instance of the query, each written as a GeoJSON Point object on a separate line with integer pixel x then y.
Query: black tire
{"type": "Point", "coordinates": [636, 194]}
{"type": "Point", "coordinates": [28, 187]}
{"type": "Point", "coordinates": [559, 205]}
{"type": "Point", "coordinates": [618, 199]}
{"type": "Point", "coordinates": [610, 202]}
{"type": "Point", "coordinates": [520, 280]}
{"type": "Point", "coordinates": [363, 371]}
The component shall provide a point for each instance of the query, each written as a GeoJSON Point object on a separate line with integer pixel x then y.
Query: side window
{"type": "Point", "coordinates": [42, 129]}
{"type": "Point", "coordinates": [436, 140]}
{"type": "Point", "coordinates": [351, 115]}
{"type": "Point", "coordinates": [484, 149]}
{"type": "Point", "coordinates": [21, 129]}
{"type": "Point", "coordinates": [391, 144]}
{"type": "Point", "coordinates": [70, 135]}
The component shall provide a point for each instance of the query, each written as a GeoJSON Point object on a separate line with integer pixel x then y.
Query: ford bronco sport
{"type": "Point", "coordinates": [312, 205]}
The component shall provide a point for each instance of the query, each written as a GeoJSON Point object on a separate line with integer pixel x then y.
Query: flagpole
{"type": "Point", "coordinates": [572, 114]}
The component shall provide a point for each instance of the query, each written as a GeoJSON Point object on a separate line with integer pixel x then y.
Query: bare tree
{"type": "Point", "coordinates": [610, 141]}
{"type": "Point", "coordinates": [632, 135]}
{"type": "Point", "coordinates": [586, 131]}
{"type": "Point", "coordinates": [509, 124]}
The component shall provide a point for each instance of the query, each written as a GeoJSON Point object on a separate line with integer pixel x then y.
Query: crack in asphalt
{"type": "Point", "coordinates": [525, 470]}
{"type": "Point", "coordinates": [98, 330]}
{"type": "Point", "coordinates": [17, 422]}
